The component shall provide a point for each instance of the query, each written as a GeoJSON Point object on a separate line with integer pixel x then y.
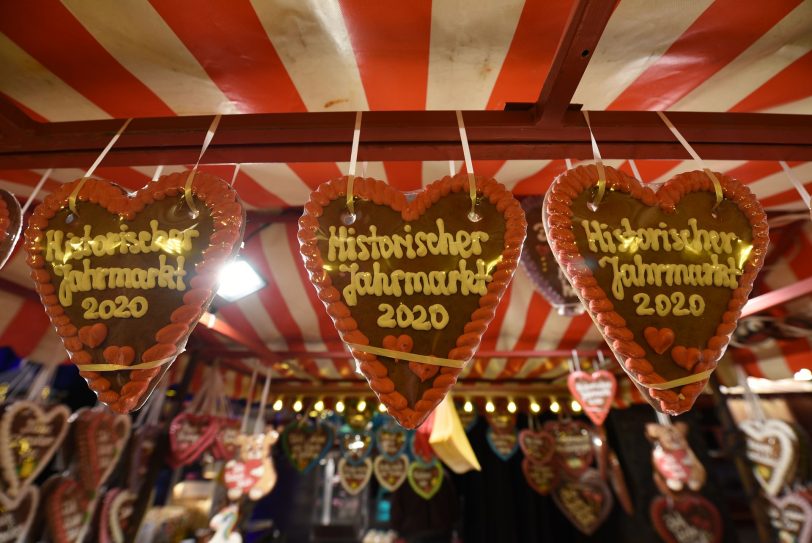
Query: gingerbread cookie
{"type": "Point", "coordinates": [686, 519]}
{"type": "Point", "coordinates": [125, 278]}
{"type": "Point", "coordinates": [676, 467]}
{"type": "Point", "coordinates": [391, 473]}
{"type": "Point", "coordinates": [411, 285]}
{"type": "Point", "coordinates": [663, 274]}
{"type": "Point", "coordinates": [10, 224]}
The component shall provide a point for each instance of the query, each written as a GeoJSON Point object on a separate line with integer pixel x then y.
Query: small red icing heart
{"type": "Point", "coordinates": [686, 358]}
{"type": "Point", "coordinates": [122, 356]}
{"type": "Point", "coordinates": [93, 335]}
{"type": "Point", "coordinates": [402, 343]}
{"type": "Point", "coordinates": [659, 340]}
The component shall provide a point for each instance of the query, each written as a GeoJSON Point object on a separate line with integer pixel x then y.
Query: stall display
{"type": "Point", "coordinates": [573, 446]}
{"type": "Point", "coordinates": [305, 443]}
{"type": "Point", "coordinates": [391, 473]}
{"type": "Point", "coordinates": [10, 224]}
{"type": "Point", "coordinates": [354, 476]}
{"type": "Point", "coordinates": [586, 500]}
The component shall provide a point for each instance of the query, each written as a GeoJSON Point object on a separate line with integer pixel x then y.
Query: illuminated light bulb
{"type": "Point", "coordinates": [362, 405]}
{"type": "Point", "coordinates": [277, 405]}
{"type": "Point", "coordinates": [468, 407]}
{"type": "Point", "coordinates": [297, 405]}
{"type": "Point", "coordinates": [489, 407]}
{"type": "Point", "coordinates": [535, 407]}
{"type": "Point", "coordinates": [511, 406]}
{"type": "Point", "coordinates": [381, 408]}
{"type": "Point", "coordinates": [576, 407]}
{"type": "Point", "coordinates": [319, 405]}
{"type": "Point", "coordinates": [554, 407]}
{"type": "Point", "coordinates": [339, 406]}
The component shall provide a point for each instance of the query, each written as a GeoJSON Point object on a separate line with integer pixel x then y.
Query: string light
{"type": "Point", "coordinates": [381, 408]}
{"type": "Point", "coordinates": [554, 407]}
{"type": "Point", "coordinates": [511, 406]}
{"type": "Point", "coordinates": [319, 405]}
{"type": "Point", "coordinates": [576, 407]}
{"type": "Point", "coordinates": [297, 406]}
{"type": "Point", "coordinates": [534, 406]}
{"type": "Point", "coordinates": [277, 405]}
{"type": "Point", "coordinates": [362, 405]}
{"type": "Point", "coordinates": [339, 406]}
{"type": "Point", "coordinates": [489, 407]}
{"type": "Point", "coordinates": [468, 407]}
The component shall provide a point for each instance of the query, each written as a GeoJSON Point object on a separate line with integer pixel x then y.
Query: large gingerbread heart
{"type": "Point", "coordinates": [190, 435]}
{"type": "Point", "coordinates": [585, 501]}
{"type": "Point", "coordinates": [540, 265]}
{"type": "Point", "coordinates": [10, 224]}
{"type": "Point", "coordinates": [686, 519]}
{"type": "Point", "coordinates": [305, 445]}
{"type": "Point", "coordinates": [30, 435]}
{"type": "Point", "coordinates": [416, 277]}
{"type": "Point", "coordinates": [15, 522]}
{"type": "Point", "coordinates": [66, 510]}
{"type": "Point", "coordinates": [537, 446]}
{"type": "Point", "coordinates": [391, 473]}
{"type": "Point", "coordinates": [663, 274]}
{"type": "Point", "coordinates": [791, 516]}
{"type": "Point", "coordinates": [594, 391]}
{"type": "Point", "coordinates": [540, 476]}
{"type": "Point", "coordinates": [772, 450]}
{"type": "Point", "coordinates": [100, 438]}
{"type": "Point", "coordinates": [573, 446]}
{"type": "Point", "coordinates": [125, 279]}
{"type": "Point", "coordinates": [354, 477]}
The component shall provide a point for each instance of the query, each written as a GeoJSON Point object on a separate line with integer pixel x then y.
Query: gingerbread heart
{"type": "Point", "coordinates": [425, 479]}
{"type": "Point", "coordinates": [540, 265]}
{"type": "Point", "coordinates": [391, 473]}
{"type": "Point", "coordinates": [421, 268]}
{"type": "Point", "coordinates": [240, 477]}
{"type": "Point", "coordinates": [594, 391]}
{"type": "Point", "coordinates": [390, 440]}
{"type": "Point", "coordinates": [573, 446]}
{"type": "Point", "coordinates": [617, 480]}
{"type": "Point", "coordinates": [116, 513]}
{"type": "Point", "coordinates": [791, 517]}
{"type": "Point", "coordinates": [671, 259]}
{"type": "Point", "coordinates": [10, 224]}
{"type": "Point", "coordinates": [504, 444]}
{"type": "Point", "coordinates": [540, 476]}
{"type": "Point", "coordinates": [585, 501]}
{"type": "Point", "coordinates": [190, 435]}
{"type": "Point", "coordinates": [66, 510]}
{"type": "Point", "coordinates": [99, 438]}
{"type": "Point", "coordinates": [145, 265]}
{"type": "Point", "coordinates": [537, 446]}
{"type": "Point", "coordinates": [15, 522]}
{"type": "Point", "coordinates": [142, 446]}
{"type": "Point", "coordinates": [227, 441]}
{"type": "Point", "coordinates": [306, 445]}
{"type": "Point", "coordinates": [354, 477]}
{"type": "Point", "coordinates": [675, 464]}
{"type": "Point", "coordinates": [771, 448]}
{"type": "Point", "coordinates": [30, 435]}
{"type": "Point", "coordinates": [686, 519]}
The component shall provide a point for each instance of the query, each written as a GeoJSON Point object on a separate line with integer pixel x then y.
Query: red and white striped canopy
{"type": "Point", "coordinates": [77, 60]}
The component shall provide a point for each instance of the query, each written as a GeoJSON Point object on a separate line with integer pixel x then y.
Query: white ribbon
{"type": "Point", "coordinates": [36, 190]}
{"type": "Point", "coordinates": [797, 184]}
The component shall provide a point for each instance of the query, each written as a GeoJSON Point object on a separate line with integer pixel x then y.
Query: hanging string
{"type": "Point", "coordinates": [596, 153]}
{"type": "Point", "coordinates": [43, 379]}
{"type": "Point", "coordinates": [452, 168]}
{"type": "Point", "coordinates": [750, 397]}
{"type": "Point", "coordinates": [259, 423]}
{"type": "Point", "coordinates": [364, 168]}
{"type": "Point", "coordinates": [601, 360]}
{"type": "Point", "coordinates": [158, 171]}
{"type": "Point", "coordinates": [717, 187]}
{"type": "Point", "coordinates": [36, 190]}
{"type": "Point", "coordinates": [635, 171]}
{"type": "Point", "coordinates": [568, 163]}
{"type": "Point", "coordinates": [89, 173]}
{"type": "Point", "coordinates": [356, 139]}
{"type": "Point", "coordinates": [663, 419]}
{"type": "Point", "coordinates": [576, 360]}
{"type": "Point", "coordinates": [234, 175]}
{"type": "Point", "coordinates": [469, 167]}
{"type": "Point", "coordinates": [187, 189]}
{"type": "Point", "coordinates": [797, 184]}
{"type": "Point", "coordinates": [249, 399]}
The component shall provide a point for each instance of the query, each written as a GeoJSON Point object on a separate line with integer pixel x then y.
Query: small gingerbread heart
{"type": "Point", "coordinates": [402, 343]}
{"type": "Point", "coordinates": [659, 339]}
{"type": "Point", "coordinates": [686, 358]}
{"type": "Point", "coordinates": [93, 335]}
{"type": "Point", "coordinates": [121, 356]}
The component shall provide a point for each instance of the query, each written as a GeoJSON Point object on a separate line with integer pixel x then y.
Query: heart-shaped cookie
{"type": "Point", "coordinates": [143, 265]}
{"type": "Point", "coordinates": [504, 444]}
{"type": "Point", "coordinates": [354, 477]}
{"type": "Point", "coordinates": [114, 519]}
{"type": "Point", "coordinates": [676, 467]}
{"type": "Point", "coordinates": [15, 522]}
{"type": "Point", "coordinates": [142, 446]}
{"type": "Point", "coordinates": [684, 519]}
{"type": "Point", "coordinates": [10, 224]}
{"type": "Point", "coordinates": [391, 473]}
{"type": "Point", "coordinates": [390, 440]}
{"type": "Point", "coordinates": [573, 446]}
{"type": "Point", "coordinates": [355, 445]}
{"type": "Point", "coordinates": [66, 510]}
{"type": "Point", "coordinates": [305, 445]}
{"type": "Point", "coordinates": [671, 259]}
{"type": "Point", "coordinates": [421, 268]}
{"type": "Point", "coordinates": [791, 517]}
{"type": "Point", "coordinates": [540, 265]}
{"type": "Point", "coordinates": [30, 435]}
{"type": "Point", "coordinates": [227, 441]}
{"type": "Point", "coordinates": [594, 391]}
{"type": "Point", "coordinates": [189, 435]}
{"type": "Point", "coordinates": [537, 446]}
{"type": "Point", "coordinates": [540, 476]}
{"type": "Point", "coordinates": [240, 477]}
{"type": "Point", "coordinates": [771, 448]}
{"type": "Point", "coordinates": [99, 438]}
{"type": "Point", "coordinates": [425, 479]}
{"type": "Point", "coordinates": [585, 501]}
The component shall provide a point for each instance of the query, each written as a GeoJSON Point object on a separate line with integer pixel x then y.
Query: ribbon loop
{"type": "Point", "coordinates": [469, 168]}
{"type": "Point", "coordinates": [596, 153]}
{"type": "Point", "coordinates": [187, 189]}
{"type": "Point", "coordinates": [356, 140]}
{"type": "Point", "coordinates": [411, 357]}
{"type": "Point", "coordinates": [802, 192]}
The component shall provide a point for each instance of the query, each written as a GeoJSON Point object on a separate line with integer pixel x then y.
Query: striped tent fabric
{"type": "Point", "coordinates": [75, 60]}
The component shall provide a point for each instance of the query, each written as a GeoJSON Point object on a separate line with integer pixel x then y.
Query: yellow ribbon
{"type": "Point", "coordinates": [187, 188]}
{"type": "Point", "coordinates": [356, 138]}
{"type": "Point", "coordinates": [120, 367]}
{"type": "Point", "coordinates": [596, 153]}
{"type": "Point", "coordinates": [687, 380]}
{"type": "Point", "coordinates": [469, 166]}
{"type": "Point", "coordinates": [411, 357]}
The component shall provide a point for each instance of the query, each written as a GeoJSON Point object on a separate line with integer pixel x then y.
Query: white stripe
{"type": "Point", "coordinates": [635, 38]}
{"type": "Point", "coordinates": [279, 180]}
{"type": "Point", "coordinates": [312, 41]}
{"type": "Point", "coordinates": [691, 165]}
{"type": "Point", "coordinates": [521, 294]}
{"type": "Point", "coordinates": [33, 85]}
{"type": "Point", "coordinates": [469, 43]}
{"type": "Point", "coordinates": [799, 107]}
{"type": "Point", "coordinates": [49, 349]}
{"type": "Point", "coordinates": [778, 182]}
{"type": "Point", "coordinates": [374, 170]}
{"type": "Point", "coordinates": [22, 191]}
{"type": "Point", "coordinates": [771, 361]}
{"type": "Point", "coordinates": [530, 365]}
{"type": "Point", "coordinates": [257, 316]}
{"type": "Point", "coordinates": [283, 267]}
{"type": "Point", "coordinates": [433, 170]}
{"type": "Point", "coordinates": [552, 331]}
{"type": "Point", "coordinates": [782, 45]}
{"type": "Point", "coordinates": [494, 368]}
{"type": "Point", "coordinates": [141, 41]}
{"type": "Point", "coordinates": [327, 368]}
{"type": "Point", "coordinates": [513, 172]}
{"type": "Point", "coordinates": [11, 304]}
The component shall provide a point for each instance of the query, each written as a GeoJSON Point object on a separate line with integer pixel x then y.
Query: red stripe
{"type": "Point", "coordinates": [785, 197]}
{"type": "Point", "coordinates": [754, 170]}
{"type": "Point", "coordinates": [531, 52]}
{"type": "Point", "coordinates": [29, 178]}
{"type": "Point", "coordinates": [575, 332]}
{"type": "Point", "coordinates": [249, 190]}
{"type": "Point", "coordinates": [486, 168]}
{"type": "Point", "coordinates": [654, 169]}
{"type": "Point", "coordinates": [537, 312]}
{"type": "Point", "coordinates": [26, 329]}
{"type": "Point", "coordinates": [50, 33]}
{"type": "Point", "coordinates": [231, 44]}
{"type": "Point", "coordinates": [316, 173]}
{"type": "Point", "coordinates": [391, 45]}
{"type": "Point", "coordinates": [789, 85]}
{"type": "Point", "coordinates": [690, 60]}
{"type": "Point", "coordinates": [25, 109]}
{"type": "Point", "coordinates": [128, 178]}
{"type": "Point", "coordinates": [233, 315]}
{"type": "Point", "coordinates": [495, 327]}
{"type": "Point", "coordinates": [405, 176]}
{"type": "Point", "coordinates": [539, 182]}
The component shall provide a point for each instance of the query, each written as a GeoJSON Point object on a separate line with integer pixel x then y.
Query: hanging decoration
{"type": "Point", "coordinates": [226, 444]}
{"type": "Point", "coordinates": [99, 438]}
{"type": "Point", "coordinates": [355, 445]}
{"type": "Point", "coordinates": [66, 510]}
{"type": "Point", "coordinates": [791, 516]}
{"type": "Point", "coordinates": [411, 284]}
{"type": "Point", "coordinates": [426, 479]}
{"type": "Point", "coordinates": [676, 467]}
{"type": "Point", "coordinates": [540, 265]}
{"type": "Point", "coordinates": [16, 520]}
{"type": "Point", "coordinates": [502, 435]}
{"type": "Point", "coordinates": [594, 391]}
{"type": "Point", "coordinates": [537, 445]}
{"type": "Point", "coordinates": [354, 476]}
{"type": "Point", "coordinates": [419, 445]}
{"type": "Point", "coordinates": [391, 440]}
{"type": "Point", "coordinates": [305, 444]}
{"type": "Point", "coordinates": [10, 223]}
{"type": "Point", "coordinates": [617, 480]}
{"type": "Point", "coordinates": [391, 473]}
{"type": "Point", "coordinates": [448, 439]}
{"type": "Point", "coordinates": [223, 524]}
{"type": "Point", "coordinates": [686, 519]}
{"type": "Point", "coordinates": [663, 274]}
{"type": "Point", "coordinates": [540, 476]}
{"type": "Point", "coordinates": [585, 501]}
{"type": "Point", "coordinates": [116, 515]}
{"type": "Point", "coordinates": [573, 446]}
